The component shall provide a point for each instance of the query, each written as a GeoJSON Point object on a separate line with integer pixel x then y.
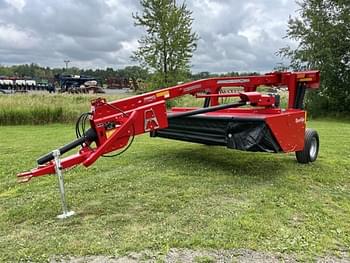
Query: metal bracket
{"type": "Point", "coordinates": [56, 154]}
{"type": "Point", "coordinates": [151, 121]}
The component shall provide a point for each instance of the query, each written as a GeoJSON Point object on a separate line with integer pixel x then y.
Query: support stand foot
{"type": "Point", "coordinates": [66, 215]}
{"type": "Point", "coordinates": [58, 169]}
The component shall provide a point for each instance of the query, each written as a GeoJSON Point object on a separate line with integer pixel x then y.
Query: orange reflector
{"type": "Point", "coordinates": [164, 94]}
{"type": "Point", "coordinates": [306, 79]}
{"type": "Point", "coordinates": [109, 133]}
{"type": "Point", "coordinates": [305, 117]}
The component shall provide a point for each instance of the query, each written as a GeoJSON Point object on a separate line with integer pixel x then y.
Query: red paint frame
{"type": "Point", "coordinates": [143, 113]}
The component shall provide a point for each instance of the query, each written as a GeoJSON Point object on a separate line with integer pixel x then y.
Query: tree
{"type": "Point", "coordinates": [169, 43]}
{"type": "Point", "coordinates": [133, 72]}
{"type": "Point", "coordinates": [323, 33]}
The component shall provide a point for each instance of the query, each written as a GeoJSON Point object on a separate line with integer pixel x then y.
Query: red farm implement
{"type": "Point", "coordinates": [255, 122]}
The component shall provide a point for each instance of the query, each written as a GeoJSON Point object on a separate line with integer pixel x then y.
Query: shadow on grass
{"type": "Point", "coordinates": [199, 160]}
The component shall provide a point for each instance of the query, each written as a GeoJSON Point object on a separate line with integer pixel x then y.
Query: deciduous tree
{"type": "Point", "coordinates": [322, 30]}
{"type": "Point", "coordinates": [169, 42]}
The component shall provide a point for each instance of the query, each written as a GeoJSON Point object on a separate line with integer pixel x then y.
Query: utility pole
{"type": "Point", "coordinates": [67, 62]}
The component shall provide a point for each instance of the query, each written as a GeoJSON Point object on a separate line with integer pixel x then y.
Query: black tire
{"type": "Point", "coordinates": [311, 147]}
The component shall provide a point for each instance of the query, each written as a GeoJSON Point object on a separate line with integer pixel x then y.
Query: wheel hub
{"type": "Point", "coordinates": [313, 148]}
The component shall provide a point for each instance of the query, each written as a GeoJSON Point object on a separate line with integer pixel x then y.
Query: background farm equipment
{"type": "Point", "coordinates": [77, 84]}
{"type": "Point", "coordinates": [118, 83]}
{"type": "Point", "coordinates": [125, 83]}
{"type": "Point", "coordinates": [22, 85]}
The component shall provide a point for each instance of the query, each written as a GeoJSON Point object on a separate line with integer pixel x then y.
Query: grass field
{"type": "Point", "coordinates": [163, 194]}
{"type": "Point", "coordinates": [19, 109]}
{"type": "Point", "coordinates": [46, 108]}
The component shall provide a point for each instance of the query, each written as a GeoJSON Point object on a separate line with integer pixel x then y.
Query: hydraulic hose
{"type": "Point", "coordinates": [90, 136]}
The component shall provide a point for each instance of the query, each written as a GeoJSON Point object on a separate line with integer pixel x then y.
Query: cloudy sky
{"type": "Point", "coordinates": [234, 35]}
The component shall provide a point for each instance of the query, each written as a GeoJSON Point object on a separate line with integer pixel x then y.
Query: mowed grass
{"type": "Point", "coordinates": [163, 194]}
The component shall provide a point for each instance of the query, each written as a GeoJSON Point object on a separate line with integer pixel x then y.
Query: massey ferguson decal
{"type": "Point", "coordinates": [149, 99]}
{"type": "Point", "coordinates": [188, 89]}
{"type": "Point", "coordinates": [233, 81]}
{"type": "Point", "coordinates": [300, 120]}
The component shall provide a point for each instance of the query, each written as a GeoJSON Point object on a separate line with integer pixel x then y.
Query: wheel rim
{"type": "Point", "coordinates": [313, 148]}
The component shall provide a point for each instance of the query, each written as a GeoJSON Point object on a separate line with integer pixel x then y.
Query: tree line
{"type": "Point", "coordinates": [35, 71]}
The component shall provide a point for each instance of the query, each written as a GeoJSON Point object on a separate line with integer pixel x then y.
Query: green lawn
{"type": "Point", "coordinates": [163, 194]}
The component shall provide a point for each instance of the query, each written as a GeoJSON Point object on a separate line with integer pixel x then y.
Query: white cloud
{"type": "Point", "coordinates": [234, 35]}
{"type": "Point", "coordinates": [17, 4]}
{"type": "Point", "coordinates": [16, 39]}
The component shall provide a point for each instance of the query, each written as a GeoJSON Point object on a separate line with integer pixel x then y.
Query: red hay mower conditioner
{"type": "Point", "coordinates": [255, 122]}
{"type": "Point", "coordinates": [263, 126]}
